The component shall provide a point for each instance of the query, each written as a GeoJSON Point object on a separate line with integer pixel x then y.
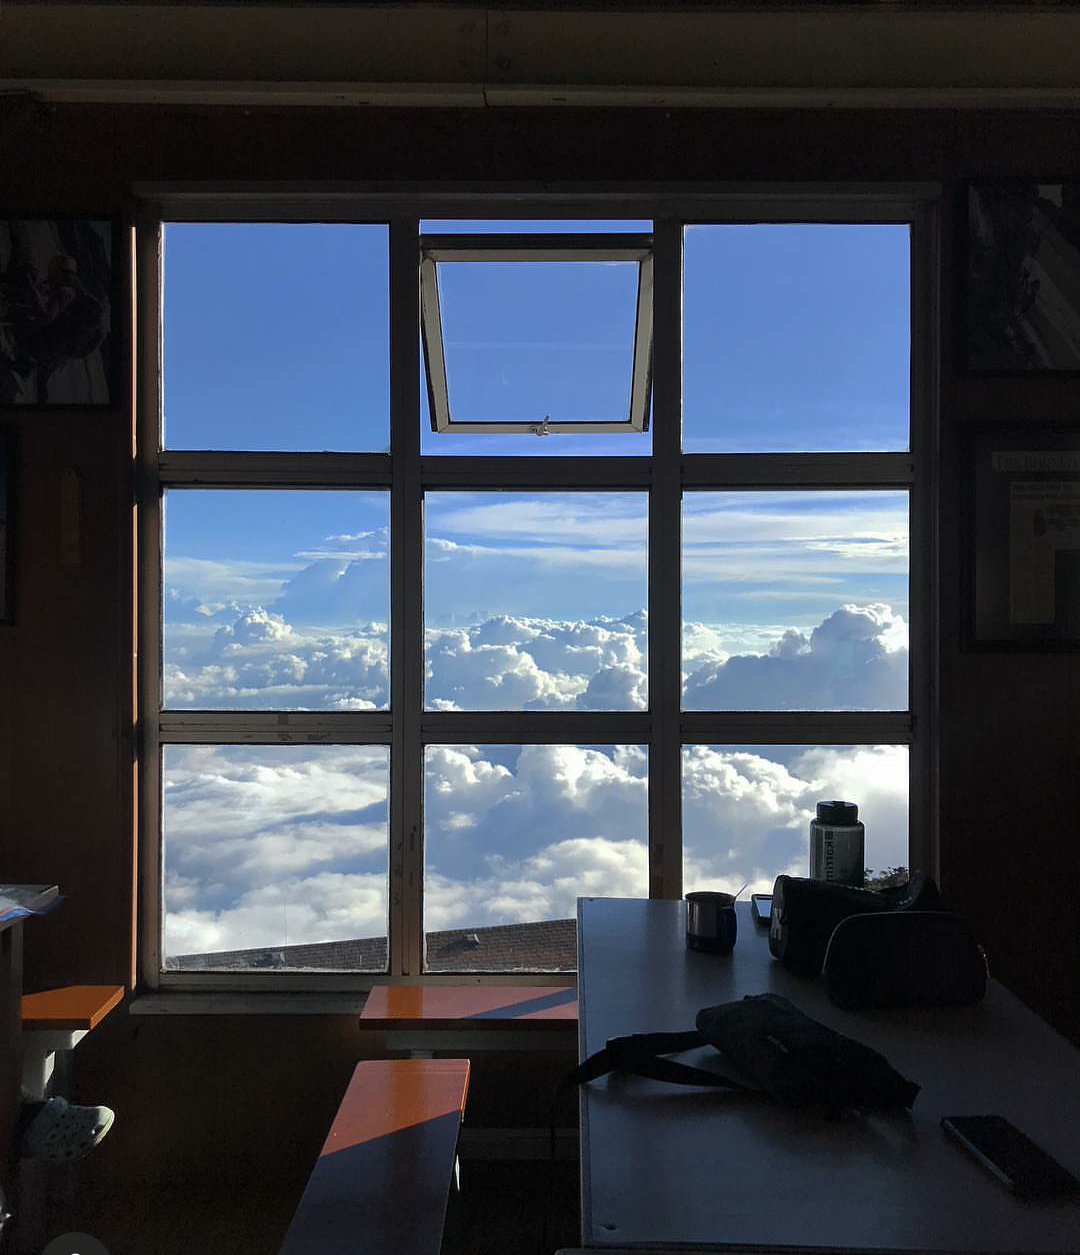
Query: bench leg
{"type": "Point", "coordinates": [38, 1066]}
{"type": "Point", "coordinates": [47, 1061]}
{"type": "Point", "coordinates": [455, 1228]}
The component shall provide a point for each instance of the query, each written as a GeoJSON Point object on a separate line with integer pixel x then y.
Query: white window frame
{"type": "Point", "coordinates": [407, 728]}
{"type": "Point", "coordinates": [436, 250]}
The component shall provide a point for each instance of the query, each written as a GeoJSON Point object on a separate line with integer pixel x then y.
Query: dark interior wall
{"type": "Point", "coordinates": [1009, 778]}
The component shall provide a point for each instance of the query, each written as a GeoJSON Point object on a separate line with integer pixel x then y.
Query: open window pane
{"type": "Point", "coordinates": [275, 857]}
{"type": "Point", "coordinates": [747, 809]}
{"type": "Point", "coordinates": [530, 333]}
{"type": "Point", "coordinates": [277, 336]}
{"type": "Point", "coordinates": [276, 600]}
{"type": "Point", "coordinates": [535, 601]}
{"type": "Point", "coordinates": [796, 337]}
{"type": "Point", "coordinates": [795, 600]}
{"type": "Point", "coordinates": [532, 340]}
{"type": "Point", "coordinates": [538, 226]}
{"type": "Point", "coordinates": [513, 834]}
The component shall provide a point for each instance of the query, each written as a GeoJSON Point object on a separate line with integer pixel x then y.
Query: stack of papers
{"type": "Point", "coordinates": [18, 901]}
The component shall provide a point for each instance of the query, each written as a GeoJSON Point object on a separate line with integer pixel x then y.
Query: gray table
{"type": "Point", "coordinates": [664, 1166]}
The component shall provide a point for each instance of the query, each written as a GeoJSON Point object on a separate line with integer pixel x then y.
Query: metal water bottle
{"type": "Point", "coordinates": [836, 844]}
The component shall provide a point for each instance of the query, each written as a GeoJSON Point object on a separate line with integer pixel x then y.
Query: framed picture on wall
{"type": "Point", "coordinates": [58, 300]}
{"type": "Point", "coordinates": [1021, 300]}
{"type": "Point", "coordinates": [7, 526]}
{"type": "Point", "coordinates": [1025, 537]}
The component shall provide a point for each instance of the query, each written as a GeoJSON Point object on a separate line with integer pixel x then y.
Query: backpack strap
{"type": "Point", "coordinates": [640, 1053]}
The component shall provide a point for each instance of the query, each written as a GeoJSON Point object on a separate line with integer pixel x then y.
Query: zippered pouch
{"type": "Point", "coordinates": [904, 959]}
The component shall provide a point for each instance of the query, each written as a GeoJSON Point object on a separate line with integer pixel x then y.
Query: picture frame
{"type": "Point", "coordinates": [1024, 538]}
{"type": "Point", "coordinates": [7, 526]}
{"type": "Point", "coordinates": [59, 310]}
{"type": "Point", "coordinates": [1020, 303]}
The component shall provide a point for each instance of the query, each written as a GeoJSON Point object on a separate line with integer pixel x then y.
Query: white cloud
{"type": "Point", "coordinates": [533, 664]}
{"type": "Point", "coordinates": [208, 581]}
{"type": "Point", "coordinates": [856, 659]}
{"type": "Point", "coordinates": [260, 661]}
{"type": "Point", "coordinates": [267, 844]}
{"type": "Point", "coordinates": [616, 688]}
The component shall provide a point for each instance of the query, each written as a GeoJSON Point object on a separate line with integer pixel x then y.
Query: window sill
{"type": "Point", "coordinates": [350, 1004]}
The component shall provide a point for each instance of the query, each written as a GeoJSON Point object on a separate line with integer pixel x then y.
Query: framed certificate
{"type": "Point", "coordinates": [1025, 537]}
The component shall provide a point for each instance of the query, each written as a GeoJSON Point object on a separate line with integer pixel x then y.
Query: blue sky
{"type": "Point", "coordinates": [276, 337]}
{"type": "Point", "coordinates": [796, 337]}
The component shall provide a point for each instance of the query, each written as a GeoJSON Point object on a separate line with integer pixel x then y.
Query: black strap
{"type": "Point", "coordinates": [639, 1053]}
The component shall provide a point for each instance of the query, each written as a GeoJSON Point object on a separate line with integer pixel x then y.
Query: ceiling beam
{"type": "Point", "coordinates": [870, 56]}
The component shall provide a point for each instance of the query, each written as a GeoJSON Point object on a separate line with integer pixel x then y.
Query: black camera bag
{"type": "Point", "coordinates": [787, 1055]}
{"type": "Point", "coordinates": [805, 912]}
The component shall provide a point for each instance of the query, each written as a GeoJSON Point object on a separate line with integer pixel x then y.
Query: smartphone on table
{"type": "Point", "coordinates": [761, 907]}
{"type": "Point", "coordinates": [1017, 1162]}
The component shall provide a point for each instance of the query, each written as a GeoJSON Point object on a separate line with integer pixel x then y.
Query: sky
{"type": "Point", "coordinates": [795, 339]}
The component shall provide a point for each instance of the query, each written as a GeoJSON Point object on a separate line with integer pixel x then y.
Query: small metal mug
{"type": "Point", "coordinates": [710, 922]}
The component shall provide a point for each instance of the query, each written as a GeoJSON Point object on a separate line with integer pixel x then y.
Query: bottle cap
{"type": "Point", "coordinates": [837, 812]}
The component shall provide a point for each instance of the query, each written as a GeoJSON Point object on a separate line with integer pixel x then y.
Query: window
{"type": "Point", "coordinates": [540, 334]}
{"type": "Point", "coordinates": [413, 679]}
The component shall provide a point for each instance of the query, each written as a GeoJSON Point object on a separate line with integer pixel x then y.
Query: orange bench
{"type": "Point", "coordinates": [452, 1017]}
{"type": "Point", "coordinates": [56, 1020]}
{"type": "Point", "coordinates": [383, 1177]}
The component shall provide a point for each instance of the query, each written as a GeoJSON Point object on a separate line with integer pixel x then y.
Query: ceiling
{"type": "Point", "coordinates": [806, 54]}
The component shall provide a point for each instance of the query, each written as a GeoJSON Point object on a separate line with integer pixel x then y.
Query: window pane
{"type": "Point", "coordinates": [796, 337]}
{"type": "Point", "coordinates": [747, 809]}
{"type": "Point", "coordinates": [276, 857]}
{"type": "Point", "coordinates": [514, 834]}
{"type": "Point", "coordinates": [795, 601]}
{"type": "Point", "coordinates": [535, 601]}
{"type": "Point", "coordinates": [276, 600]}
{"type": "Point", "coordinates": [536, 226]}
{"type": "Point", "coordinates": [277, 336]}
{"type": "Point", "coordinates": [527, 340]}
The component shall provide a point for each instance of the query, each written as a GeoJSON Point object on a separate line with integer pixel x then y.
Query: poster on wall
{"type": "Point", "coordinates": [1026, 529]}
{"type": "Point", "coordinates": [57, 297]}
{"type": "Point", "coordinates": [1022, 277]}
{"type": "Point", "coordinates": [7, 525]}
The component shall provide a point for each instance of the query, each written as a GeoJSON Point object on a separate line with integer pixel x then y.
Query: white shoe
{"type": "Point", "coordinates": [61, 1132]}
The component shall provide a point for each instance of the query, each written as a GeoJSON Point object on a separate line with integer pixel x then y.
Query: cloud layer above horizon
{"type": "Point", "coordinates": [277, 845]}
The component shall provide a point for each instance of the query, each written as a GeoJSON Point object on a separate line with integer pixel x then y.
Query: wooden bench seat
{"type": "Point", "coordinates": [54, 1021]}
{"type": "Point", "coordinates": [404, 1008]}
{"type": "Point", "coordinates": [72, 1007]}
{"type": "Point", "coordinates": [383, 1177]}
